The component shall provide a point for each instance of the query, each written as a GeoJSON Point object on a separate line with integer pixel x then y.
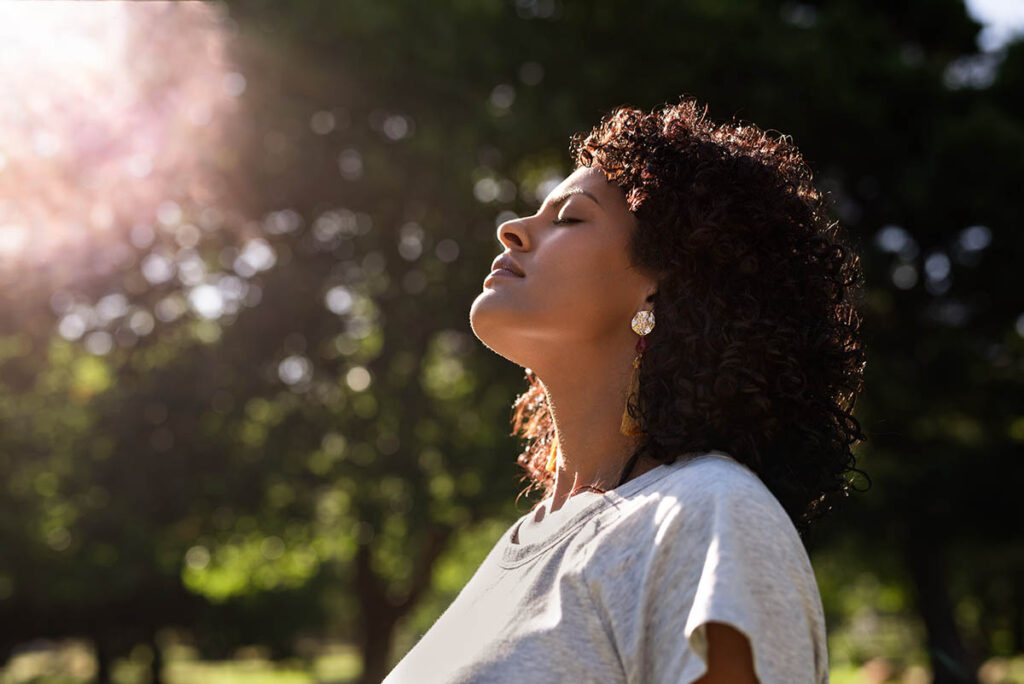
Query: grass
{"type": "Point", "coordinates": [72, 663]}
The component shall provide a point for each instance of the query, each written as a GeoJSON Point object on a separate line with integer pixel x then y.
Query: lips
{"type": "Point", "coordinates": [504, 262]}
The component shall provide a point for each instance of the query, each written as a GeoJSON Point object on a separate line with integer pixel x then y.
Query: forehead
{"type": "Point", "coordinates": [593, 180]}
{"type": "Point", "coordinates": [588, 178]}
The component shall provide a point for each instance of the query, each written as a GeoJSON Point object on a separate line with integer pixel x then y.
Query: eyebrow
{"type": "Point", "coordinates": [564, 196]}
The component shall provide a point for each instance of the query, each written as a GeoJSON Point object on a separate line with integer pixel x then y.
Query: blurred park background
{"type": "Point", "coordinates": [246, 433]}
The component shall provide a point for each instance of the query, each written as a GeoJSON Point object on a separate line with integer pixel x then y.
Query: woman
{"type": "Point", "coordinates": [684, 310]}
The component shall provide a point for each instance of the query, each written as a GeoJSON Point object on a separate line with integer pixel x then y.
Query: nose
{"type": "Point", "coordinates": [512, 233]}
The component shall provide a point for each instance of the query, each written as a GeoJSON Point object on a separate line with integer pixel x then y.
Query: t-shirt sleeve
{"type": "Point", "coordinates": [754, 576]}
{"type": "Point", "coordinates": [727, 554]}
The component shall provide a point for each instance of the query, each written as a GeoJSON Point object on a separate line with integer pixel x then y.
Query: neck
{"type": "Point", "coordinates": [586, 398]}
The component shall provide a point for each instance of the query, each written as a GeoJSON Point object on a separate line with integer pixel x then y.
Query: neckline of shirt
{"type": "Point", "coordinates": [517, 554]}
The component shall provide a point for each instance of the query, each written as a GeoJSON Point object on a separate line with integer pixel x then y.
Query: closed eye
{"type": "Point", "coordinates": [562, 221]}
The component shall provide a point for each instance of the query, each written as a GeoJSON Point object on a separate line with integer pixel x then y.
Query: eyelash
{"type": "Point", "coordinates": [559, 222]}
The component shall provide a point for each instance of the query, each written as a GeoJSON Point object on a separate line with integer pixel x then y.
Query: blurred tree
{"type": "Point", "coordinates": [302, 459]}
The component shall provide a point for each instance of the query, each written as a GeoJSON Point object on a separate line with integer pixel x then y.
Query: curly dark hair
{"type": "Point", "coordinates": [757, 348]}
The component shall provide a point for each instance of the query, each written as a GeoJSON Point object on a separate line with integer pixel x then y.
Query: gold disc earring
{"type": "Point", "coordinates": [642, 324]}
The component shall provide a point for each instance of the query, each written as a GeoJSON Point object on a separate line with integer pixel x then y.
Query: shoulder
{"type": "Point", "coordinates": [700, 495]}
{"type": "Point", "coordinates": [707, 542]}
{"type": "Point", "coordinates": [710, 519]}
{"type": "Point", "coordinates": [711, 475]}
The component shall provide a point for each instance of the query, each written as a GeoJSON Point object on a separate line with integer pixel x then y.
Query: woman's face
{"type": "Point", "coordinates": [578, 291]}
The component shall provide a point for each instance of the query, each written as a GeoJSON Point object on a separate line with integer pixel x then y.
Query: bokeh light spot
{"type": "Point", "coordinates": [207, 301]}
{"type": "Point", "coordinates": [357, 378]}
{"type": "Point", "coordinates": [350, 164]}
{"type": "Point", "coordinates": [904, 276]}
{"type": "Point", "coordinates": [322, 122]}
{"type": "Point", "coordinates": [339, 300]}
{"type": "Point", "coordinates": [447, 250]}
{"type": "Point", "coordinates": [295, 369]}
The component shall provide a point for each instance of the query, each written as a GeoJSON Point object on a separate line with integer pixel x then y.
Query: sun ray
{"type": "Point", "coordinates": [110, 111]}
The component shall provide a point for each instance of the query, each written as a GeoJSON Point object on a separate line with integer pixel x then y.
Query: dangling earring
{"type": "Point", "coordinates": [553, 457]}
{"type": "Point", "coordinates": [643, 323]}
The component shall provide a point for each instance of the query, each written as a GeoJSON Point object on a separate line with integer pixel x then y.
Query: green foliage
{"type": "Point", "coordinates": [247, 566]}
{"type": "Point", "coordinates": [213, 469]}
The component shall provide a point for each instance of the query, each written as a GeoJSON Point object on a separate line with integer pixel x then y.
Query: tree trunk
{"type": "Point", "coordinates": [103, 660]}
{"type": "Point", "coordinates": [378, 617]}
{"type": "Point", "coordinates": [378, 636]}
{"type": "Point", "coordinates": [1017, 606]}
{"type": "Point", "coordinates": [380, 614]}
{"type": "Point", "coordinates": [156, 667]}
{"type": "Point", "coordinates": [950, 662]}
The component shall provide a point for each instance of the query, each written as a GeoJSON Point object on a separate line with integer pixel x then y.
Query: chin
{"type": "Point", "coordinates": [483, 319]}
{"type": "Point", "coordinates": [494, 327]}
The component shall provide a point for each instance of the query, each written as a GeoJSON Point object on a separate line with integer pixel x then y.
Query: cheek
{"type": "Point", "coordinates": [585, 282]}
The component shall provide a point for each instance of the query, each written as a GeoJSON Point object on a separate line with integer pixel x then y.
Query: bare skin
{"type": "Point", "coordinates": [730, 660]}
{"type": "Point", "coordinates": [569, 319]}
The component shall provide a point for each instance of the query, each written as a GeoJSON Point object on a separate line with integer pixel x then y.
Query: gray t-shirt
{"type": "Point", "coordinates": [620, 590]}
